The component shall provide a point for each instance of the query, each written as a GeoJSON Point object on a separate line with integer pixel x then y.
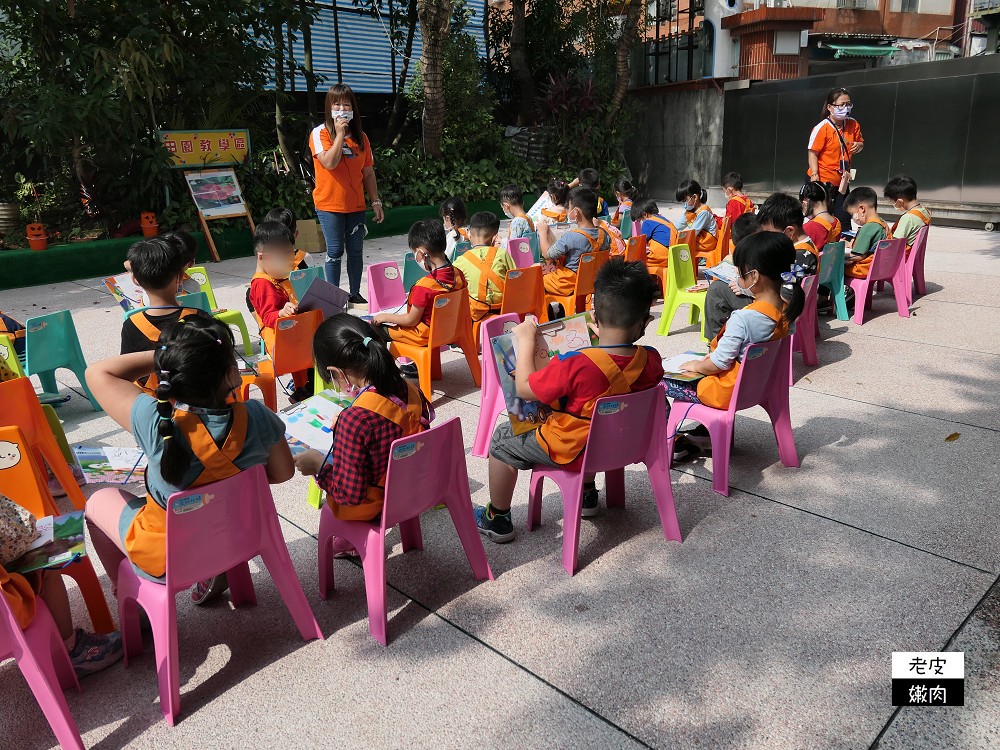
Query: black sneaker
{"type": "Point", "coordinates": [556, 311]}
{"type": "Point", "coordinates": [590, 507]}
{"type": "Point", "coordinates": [497, 526]}
{"type": "Point", "coordinates": [409, 370]}
{"type": "Point", "coordinates": [700, 437]}
{"type": "Point", "coordinates": [93, 652]}
{"type": "Point", "coordinates": [357, 299]}
{"type": "Point", "coordinates": [685, 450]}
{"type": "Point", "coordinates": [211, 588]}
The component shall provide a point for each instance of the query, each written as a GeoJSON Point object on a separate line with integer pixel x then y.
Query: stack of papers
{"type": "Point", "coordinates": [110, 465]}
{"type": "Point", "coordinates": [672, 367]}
{"type": "Point", "coordinates": [309, 423]}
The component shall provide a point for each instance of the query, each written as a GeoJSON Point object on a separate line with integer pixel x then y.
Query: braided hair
{"type": "Point", "coordinates": [193, 359]}
{"type": "Point", "coordinates": [354, 346]}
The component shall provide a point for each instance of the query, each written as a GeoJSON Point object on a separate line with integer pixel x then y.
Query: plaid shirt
{"type": "Point", "coordinates": [362, 441]}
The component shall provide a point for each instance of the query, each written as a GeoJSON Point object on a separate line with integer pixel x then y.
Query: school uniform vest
{"type": "Point", "coordinates": [151, 332]}
{"type": "Point", "coordinates": [656, 249]}
{"type": "Point", "coordinates": [146, 540]}
{"type": "Point", "coordinates": [921, 213]}
{"type": "Point", "coordinates": [860, 269]}
{"type": "Point", "coordinates": [616, 219]}
{"type": "Point", "coordinates": [464, 233]}
{"type": "Point", "coordinates": [284, 285]}
{"type": "Point", "coordinates": [562, 280]}
{"type": "Point", "coordinates": [832, 226]}
{"type": "Point", "coordinates": [558, 215]}
{"type": "Point", "coordinates": [743, 201]}
{"type": "Point", "coordinates": [16, 333]}
{"type": "Point", "coordinates": [563, 436]}
{"type": "Point", "coordinates": [410, 420]}
{"type": "Point", "coordinates": [717, 390]}
{"type": "Point", "coordinates": [486, 275]}
{"type": "Point", "coordinates": [706, 240]}
{"type": "Point", "coordinates": [617, 244]}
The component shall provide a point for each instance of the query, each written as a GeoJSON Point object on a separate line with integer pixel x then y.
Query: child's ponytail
{"type": "Point", "coordinates": [792, 292]}
{"type": "Point", "coordinates": [558, 191]}
{"type": "Point", "coordinates": [354, 346]}
{"type": "Point", "coordinates": [453, 209]}
{"type": "Point", "coordinates": [624, 186]}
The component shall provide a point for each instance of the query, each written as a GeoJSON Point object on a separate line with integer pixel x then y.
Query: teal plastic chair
{"type": "Point", "coordinates": [680, 277]}
{"type": "Point", "coordinates": [302, 278]}
{"type": "Point", "coordinates": [461, 248]}
{"type": "Point", "coordinates": [50, 344]}
{"type": "Point", "coordinates": [831, 275]}
{"type": "Point", "coordinates": [412, 272]}
{"type": "Point", "coordinates": [626, 227]}
{"type": "Point", "coordinates": [229, 317]}
{"type": "Point", "coordinates": [536, 246]}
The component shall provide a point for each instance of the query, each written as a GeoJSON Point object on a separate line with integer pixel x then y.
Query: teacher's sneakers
{"type": "Point", "coordinates": [357, 299]}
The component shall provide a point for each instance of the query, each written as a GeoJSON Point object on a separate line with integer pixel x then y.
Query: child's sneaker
{"type": "Point", "coordinates": [409, 370]}
{"type": "Point", "coordinates": [78, 474]}
{"type": "Point", "coordinates": [496, 526]}
{"type": "Point", "coordinates": [211, 588]}
{"type": "Point", "coordinates": [590, 507]}
{"type": "Point", "coordinates": [94, 652]}
{"type": "Point", "coordinates": [684, 449]}
{"type": "Point", "coordinates": [343, 548]}
{"type": "Point", "coordinates": [700, 437]}
{"type": "Point", "coordinates": [55, 487]}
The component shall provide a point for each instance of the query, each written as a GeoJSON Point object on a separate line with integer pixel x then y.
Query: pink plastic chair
{"type": "Point", "coordinates": [888, 265]}
{"type": "Point", "coordinates": [44, 662]}
{"type": "Point", "coordinates": [212, 529]}
{"type": "Point", "coordinates": [385, 287]}
{"type": "Point", "coordinates": [424, 470]}
{"type": "Point", "coordinates": [915, 265]}
{"type": "Point", "coordinates": [762, 381]}
{"type": "Point", "coordinates": [491, 402]}
{"type": "Point", "coordinates": [520, 250]}
{"type": "Point", "coordinates": [807, 326]}
{"type": "Point", "coordinates": [628, 429]}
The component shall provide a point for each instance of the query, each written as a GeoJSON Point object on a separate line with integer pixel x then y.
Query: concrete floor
{"type": "Point", "coordinates": [771, 626]}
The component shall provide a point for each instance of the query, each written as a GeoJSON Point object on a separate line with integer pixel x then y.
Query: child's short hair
{"type": "Point", "coordinates": [484, 223]}
{"type": "Point", "coordinates": [744, 226]}
{"type": "Point", "coordinates": [283, 215]}
{"type": "Point", "coordinates": [271, 233]}
{"type": "Point", "coordinates": [156, 263]}
{"type": "Point", "coordinates": [623, 294]}
{"type": "Point", "coordinates": [512, 194]}
{"type": "Point", "coordinates": [558, 190]}
{"type": "Point", "coordinates": [860, 195]}
{"type": "Point", "coordinates": [590, 178]}
{"type": "Point", "coordinates": [644, 207]}
{"type": "Point", "coordinates": [901, 187]}
{"type": "Point", "coordinates": [689, 188]}
{"type": "Point", "coordinates": [453, 209]}
{"type": "Point", "coordinates": [781, 210]}
{"type": "Point", "coordinates": [428, 234]}
{"type": "Point", "coordinates": [624, 186]}
{"type": "Point", "coordinates": [733, 180]}
{"type": "Point", "coordinates": [186, 244]}
{"type": "Point", "coordinates": [586, 200]}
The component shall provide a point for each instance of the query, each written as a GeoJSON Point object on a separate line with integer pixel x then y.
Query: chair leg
{"type": "Point", "coordinates": [460, 510]}
{"type": "Point", "coordinates": [840, 302]}
{"type": "Point", "coordinates": [79, 369]}
{"type": "Point", "coordinates": [424, 364]}
{"type": "Point", "coordinates": [374, 568]}
{"type": "Point", "coordinates": [51, 700]}
{"type": "Point", "coordinates": [82, 571]}
{"type": "Point", "coordinates": [659, 479]}
{"type": "Point", "coordinates": [57, 462]}
{"type": "Point", "coordinates": [48, 380]}
{"type": "Point", "coordinates": [919, 282]}
{"type": "Point", "coordinates": [860, 295]}
{"type": "Point", "coordinates": [485, 426]}
{"type": "Point", "coordinates": [325, 554]}
{"type": "Point", "coordinates": [475, 366]}
{"type": "Point", "coordinates": [614, 488]}
{"type": "Point", "coordinates": [722, 435]}
{"type": "Point", "coordinates": [571, 487]}
{"type": "Point", "coordinates": [164, 623]}
{"type": "Point", "coordinates": [279, 564]}
{"type": "Point", "coordinates": [436, 373]}
{"type": "Point", "coordinates": [535, 500]}
{"type": "Point", "coordinates": [410, 535]}
{"type": "Point", "coordinates": [241, 590]}
{"type": "Point", "coordinates": [902, 295]}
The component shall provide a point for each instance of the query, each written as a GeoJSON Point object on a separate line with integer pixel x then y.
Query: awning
{"type": "Point", "coordinates": [860, 50]}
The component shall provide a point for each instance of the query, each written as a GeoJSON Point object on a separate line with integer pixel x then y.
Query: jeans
{"type": "Point", "coordinates": [343, 231]}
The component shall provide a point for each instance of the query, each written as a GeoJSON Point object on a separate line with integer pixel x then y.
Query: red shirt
{"type": "Point", "coordinates": [736, 207]}
{"type": "Point", "coordinates": [267, 300]}
{"type": "Point", "coordinates": [446, 276]}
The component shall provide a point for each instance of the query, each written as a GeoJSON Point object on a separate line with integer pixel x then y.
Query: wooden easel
{"type": "Point", "coordinates": [245, 211]}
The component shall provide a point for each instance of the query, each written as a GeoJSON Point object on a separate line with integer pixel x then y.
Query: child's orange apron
{"type": "Point", "coordinates": [658, 254]}
{"type": "Point", "coordinates": [832, 228]}
{"type": "Point", "coordinates": [717, 390]}
{"type": "Point", "coordinates": [146, 540]}
{"type": "Point", "coordinates": [151, 332]}
{"type": "Point", "coordinates": [706, 240]}
{"type": "Point", "coordinates": [558, 216]}
{"type": "Point", "coordinates": [921, 213]}
{"type": "Point", "coordinates": [20, 596]}
{"type": "Point", "coordinates": [477, 303]}
{"type": "Point", "coordinates": [285, 286]}
{"type": "Point", "coordinates": [419, 334]}
{"type": "Point", "coordinates": [859, 270]}
{"type": "Point", "coordinates": [745, 202]}
{"type": "Point", "coordinates": [561, 282]}
{"type": "Point", "coordinates": [410, 420]}
{"type": "Point", "coordinates": [563, 436]}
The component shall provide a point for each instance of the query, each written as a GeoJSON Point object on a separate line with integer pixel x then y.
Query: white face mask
{"type": "Point", "coordinates": [841, 113]}
{"type": "Point", "coordinates": [508, 214]}
{"type": "Point", "coordinates": [745, 290]}
{"type": "Point", "coordinates": [342, 114]}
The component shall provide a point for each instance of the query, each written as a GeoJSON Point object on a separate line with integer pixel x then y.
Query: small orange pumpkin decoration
{"type": "Point", "coordinates": [38, 238]}
{"type": "Point", "coordinates": [150, 227]}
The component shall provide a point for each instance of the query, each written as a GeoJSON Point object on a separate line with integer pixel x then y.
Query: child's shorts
{"type": "Point", "coordinates": [520, 451]}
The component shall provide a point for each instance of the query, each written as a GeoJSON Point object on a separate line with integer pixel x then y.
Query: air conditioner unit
{"type": "Point", "coordinates": [852, 4]}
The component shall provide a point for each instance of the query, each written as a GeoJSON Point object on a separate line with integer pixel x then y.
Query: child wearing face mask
{"type": "Point", "coordinates": [385, 408]}
{"type": "Point", "coordinates": [456, 220]}
{"type": "Point", "coordinates": [512, 203]}
{"type": "Point", "coordinates": [585, 237]}
{"type": "Point", "coordinates": [626, 193]}
{"type": "Point", "coordinates": [485, 266]}
{"type": "Point", "coordinates": [902, 191]}
{"type": "Point", "coordinates": [697, 216]}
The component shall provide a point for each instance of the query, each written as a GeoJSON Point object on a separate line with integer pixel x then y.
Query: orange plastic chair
{"type": "Point", "coordinates": [24, 481]}
{"type": "Point", "coordinates": [586, 273]}
{"type": "Point", "coordinates": [22, 409]}
{"type": "Point", "coordinates": [721, 246]}
{"type": "Point", "coordinates": [451, 323]}
{"type": "Point", "coordinates": [291, 347]}
{"type": "Point", "coordinates": [635, 249]}
{"type": "Point", "coordinates": [525, 294]}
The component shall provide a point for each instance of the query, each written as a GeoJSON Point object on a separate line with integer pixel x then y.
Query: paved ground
{"type": "Point", "coordinates": [771, 626]}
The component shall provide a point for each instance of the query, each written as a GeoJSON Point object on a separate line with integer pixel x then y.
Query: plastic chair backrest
{"type": "Point", "coordinates": [197, 300]}
{"type": "Point", "coordinates": [586, 273]}
{"type": "Point", "coordinates": [722, 244]}
{"type": "Point", "coordinates": [51, 342]}
{"type": "Point", "coordinates": [520, 250]}
{"type": "Point", "coordinates": [200, 275]}
{"type": "Point", "coordinates": [635, 249]}
{"type": "Point", "coordinates": [412, 272]}
{"type": "Point", "coordinates": [758, 376]}
{"type": "Point", "coordinates": [446, 317]}
{"type": "Point", "coordinates": [433, 458]}
{"type": "Point", "coordinates": [622, 429]}
{"type": "Point", "coordinates": [688, 237]}
{"type": "Point", "coordinates": [680, 270]}
{"type": "Point", "coordinates": [524, 292]}
{"type": "Point", "coordinates": [9, 355]}
{"type": "Point", "coordinates": [22, 409]}
{"type": "Point", "coordinates": [302, 278]}
{"type": "Point", "coordinates": [831, 262]}
{"type": "Point", "coordinates": [214, 527]}
{"type": "Point", "coordinates": [20, 477]}
{"type": "Point", "coordinates": [888, 255]}
{"type": "Point", "coordinates": [461, 247]}
{"type": "Point", "coordinates": [536, 246]}
{"type": "Point", "coordinates": [293, 337]}
{"type": "Point", "coordinates": [626, 224]}
{"type": "Point", "coordinates": [919, 244]}
{"type": "Point", "coordinates": [385, 287]}
{"type": "Point", "coordinates": [498, 325]}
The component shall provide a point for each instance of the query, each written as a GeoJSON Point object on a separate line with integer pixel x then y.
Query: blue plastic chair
{"type": "Point", "coordinates": [50, 344]}
{"type": "Point", "coordinates": [536, 246]}
{"type": "Point", "coordinates": [412, 272]}
{"type": "Point", "coordinates": [831, 275]}
{"type": "Point", "coordinates": [302, 278]}
{"type": "Point", "coordinates": [626, 226]}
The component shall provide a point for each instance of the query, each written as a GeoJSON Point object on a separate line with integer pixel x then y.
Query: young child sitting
{"type": "Point", "coordinates": [623, 294]}
{"type": "Point", "coordinates": [697, 216]}
{"type": "Point", "coordinates": [660, 232]}
{"type": "Point", "coordinates": [558, 192]}
{"type": "Point", "coordinates": [626, 193]}
{"type": "Point", "coordinates": [427, 241]}
{"type": "Point", "coordinates": [768, 271]}
{"type": "Point", "coordinates": [722, 298]}
{"type": "Point", "coordinates": [862, 204]}
{"type": "Point", "coordinates": [737, 203]}
{"type": "Point", "coordinates": [286, 217]}
{"type": "Point", "coordinates": [782, 213]}
{"type": "Point", "coordinates": [485, 266]}
{"type": "Point", "coordinates": [587, 237]}
{"type": "Point", "coordinates": [271, 295]}
{"type": "Point", "coordinates": [822, 227]}
{"type": "Point", "coordinates": [88, 652]}
{"type": "Point", "coordinates": [455, 219]}
{"type": "Point", "coordinates": [902, 191]}
{"type": "Point", "coordinates": [385, 408]}
{"type": "Point", "coordinates": [591, 178]}
{"type": "Point", "coordinates": [512, 203]}
{"type": "Point", "coordinates": [191, 433]}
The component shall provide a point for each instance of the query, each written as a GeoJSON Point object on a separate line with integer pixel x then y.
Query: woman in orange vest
{"type": "Point", "coordinates": [192, 434]}
{"type": "Point", "coordinates": [385, 408]}
{"type": "Point", "coordinates": [766, 271]}
{"type": "Point", "coordinates": [833, 144]}
{"type": "Point", "coordinates": [345, 171]}
{"type": "Point", "coordinates": [697, 216]}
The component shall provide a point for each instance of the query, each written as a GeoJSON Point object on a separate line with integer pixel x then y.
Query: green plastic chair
{"type": "Point", "coordinates": [50, 344]}
{"type": "Point", "coordinates": [9, 355]}
{"type": "Point", "coordinates": [536, 246]}
{"type": "Point", "coordinates": [302, 278]}
{"type": "Point", "coordinates": [229, 317]}
{"type": "Point", "coordinates": [626, 227]}
{"type": "Point", "coordinates": [680, 276]}
{"type": "Point", "coordinates": [315, 496]}
{"type": "Point", "coordinates": [831, 275]}
{"type": "Point", "coordinates": [412, 272]}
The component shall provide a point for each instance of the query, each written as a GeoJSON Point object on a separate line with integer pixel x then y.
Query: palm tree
{"type": "Point", "coordinates": [435, 16]}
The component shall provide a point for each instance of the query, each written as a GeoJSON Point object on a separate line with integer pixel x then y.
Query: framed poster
{"type": "Point", "coordinates": [216, 193]}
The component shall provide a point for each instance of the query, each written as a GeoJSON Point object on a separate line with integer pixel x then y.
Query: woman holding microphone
{"type": "Point", "coordinates": [832, 145]}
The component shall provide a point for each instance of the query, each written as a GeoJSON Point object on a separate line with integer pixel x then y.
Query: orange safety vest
{"type": "Point", "coordinates": [833, 228]}
{"type": "Point", "coordinates": [559, 216]}
{"type": "Point", "coordinates": [17, 333]}
{"type": "Point", "coordinates": [410, 420]}
{"type": "Point", "coordinates": [563, 436]}
{"type": "Point", "coordinates": [486, 273]}
{"type": "Point", "coordinates": [283, 284]}
{"type": "Point", "coordinates": [619, 209]}
{"type": "Point", "coordinates": [717, 390]}
{"type": "Point", "coordinates": [146, 540]}
{"type": "Point", "coordinates": [617, 246]}
{"type": "Point", "coordinates": [706, 240]}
